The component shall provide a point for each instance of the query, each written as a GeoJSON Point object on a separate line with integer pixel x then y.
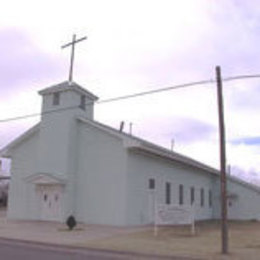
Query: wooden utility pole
{"type": "Point", "coordinates": [224, 224]}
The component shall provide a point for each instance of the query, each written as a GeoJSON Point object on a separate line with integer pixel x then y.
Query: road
{"type": "Point", "coordinates": [17, 250]}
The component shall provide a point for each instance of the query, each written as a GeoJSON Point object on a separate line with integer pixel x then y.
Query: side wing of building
{"type": "Point", "coordinates": [100, 175]}
{"type": "Point", "coordinates": [22, 204]}
{"type": "Point", "coordinates": [155, 180]}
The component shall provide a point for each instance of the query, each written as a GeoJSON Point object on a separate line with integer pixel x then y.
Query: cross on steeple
{"type": "Point", "coordinates": [72, 44]}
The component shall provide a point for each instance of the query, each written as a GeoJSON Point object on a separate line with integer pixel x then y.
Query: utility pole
{"type": "Point", "coordinates": [224, 224]}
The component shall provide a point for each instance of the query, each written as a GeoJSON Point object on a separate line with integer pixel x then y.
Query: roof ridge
{"type": "Point", "coordinates": [148, 143]}
{"type": "Point", "coordinates": [18, 139]}
{"type": "Point", "coordinates": [65, 86]}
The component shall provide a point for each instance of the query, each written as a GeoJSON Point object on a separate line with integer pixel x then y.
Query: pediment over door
{"type": "Point", "coordinates": [46, 179]}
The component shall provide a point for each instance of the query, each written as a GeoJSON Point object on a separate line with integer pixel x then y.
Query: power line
{"type": "Point", "coordinates": [139, 94]}
{"type": "Point", "coordinates": [185, 85]}
{"type": "Point", "coordinates": [110, 100]}
{"type": "Point", "coordinates": [36, 114]}
{"type": "Point", "coordinates": [241, 77]}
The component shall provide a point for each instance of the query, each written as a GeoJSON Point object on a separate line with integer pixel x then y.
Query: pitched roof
{"type": "Point", "coordinates": [65, 86]}
{"type": "Point", "coordinates": [136, 144]}
{"type": "Point", "coordinates": [46, 178]}
{"type": "Point", "coordinates": [5, 152]}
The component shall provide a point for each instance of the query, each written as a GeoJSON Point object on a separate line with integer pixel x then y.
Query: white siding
{"type": "Point", "coordinates": [58, 141]}
{"type": "Point", "coordinates": [142, 166]}
{"type": "Point", "coordinates": [247, 204]}
{"type": "Point", "coordinates": [101, 177]}
{"type": "Point", "coordinates": [22, 202]}
{"type": "Point", "coordinates": [216, 198]}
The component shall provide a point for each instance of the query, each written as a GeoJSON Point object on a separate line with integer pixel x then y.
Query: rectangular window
{"type": "Point", "coordinates": [83, 102]}
{"type": "Point", "coordinates": [202, 197]}
{"type": "Point", "coordinates": [151, 184]}
{"type": "Point", "coordinates": [56, 99]}
{"type": "Point", "coordinates": [210, 198]}
{"type": "Point", "coordinates": [192, 195]}
{"type": "Point", "coordinates": [168, 193]}
{"type": "Point", "coordinates": [181, 194]}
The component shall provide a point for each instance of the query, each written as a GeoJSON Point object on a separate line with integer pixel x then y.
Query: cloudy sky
{"type": "Point", "coordinates": [136, 46]}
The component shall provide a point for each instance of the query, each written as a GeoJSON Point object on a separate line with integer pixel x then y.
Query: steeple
{"type": "Point", "coordinates": [62, 104]}
{"type": "Point", "coordinates": [68, 96]}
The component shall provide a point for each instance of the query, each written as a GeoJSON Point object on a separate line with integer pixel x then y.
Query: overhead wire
{"type": "Point", "coordinates": [134, 95]}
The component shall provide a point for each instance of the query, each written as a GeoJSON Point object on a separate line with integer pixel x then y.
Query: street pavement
{"type": "Point", "coordinates": [17, 250]}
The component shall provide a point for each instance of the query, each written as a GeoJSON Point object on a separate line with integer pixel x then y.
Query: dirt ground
{"type": "Point", "coordinates": [244, 241]}
{"type": "Point", "coordinates": [244, 238]}
{"type": "Point", "coordinates": [2, 212]}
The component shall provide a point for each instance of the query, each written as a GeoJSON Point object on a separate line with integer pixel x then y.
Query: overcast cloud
{"type": "Point", "coordinates": [23, 62]}
{"type": "Point", "coordinates": [137, 46]}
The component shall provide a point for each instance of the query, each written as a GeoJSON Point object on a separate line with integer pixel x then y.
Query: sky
{"type": "Point", "coordinates": [135, 46]}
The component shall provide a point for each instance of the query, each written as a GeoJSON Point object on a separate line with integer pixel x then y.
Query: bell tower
{"type": "Point", "coordinates": [61, 105]}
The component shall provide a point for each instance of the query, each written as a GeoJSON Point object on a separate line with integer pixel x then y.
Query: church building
{"type": "Point", "coordinates": [69, 164]}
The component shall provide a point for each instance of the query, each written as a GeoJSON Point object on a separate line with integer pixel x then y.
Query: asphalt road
{"type": "Point", "coordinates": [17, 250]}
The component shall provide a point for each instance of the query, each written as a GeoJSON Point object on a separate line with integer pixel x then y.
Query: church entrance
{"type": "Point", "coordinates": [50, 202]}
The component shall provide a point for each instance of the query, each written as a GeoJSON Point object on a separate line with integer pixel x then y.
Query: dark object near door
{"type": "Point", "coordinates": [71, 222]}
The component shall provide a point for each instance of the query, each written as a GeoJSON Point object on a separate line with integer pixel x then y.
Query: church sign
{"type": "Point", "coordinates": [174, 215]}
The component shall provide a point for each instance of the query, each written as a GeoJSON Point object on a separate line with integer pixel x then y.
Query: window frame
{"type": "Point", "coordinates": [83, 102]}
{"type": "Point", "coordinates": [192, 195]}
{"type": "Point", "coordinates": [210, 198]}
{"type": "Point", "coordinates": [56, 99]}
{"type": "Point", "coordinates": [168, 193]}
{"type": "Point", "coordinates": [181, 194]}
{"type": "Point", "coordinates": [151, 184]}
{"type": "Point", "coordinates": [202, 195]}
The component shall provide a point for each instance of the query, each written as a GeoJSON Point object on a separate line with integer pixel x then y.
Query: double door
{"type": "Point", "coordinates": [51, 201]}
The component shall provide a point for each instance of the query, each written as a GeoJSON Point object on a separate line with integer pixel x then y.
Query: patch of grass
{"type": "Point", "coordinates": [244, 241]}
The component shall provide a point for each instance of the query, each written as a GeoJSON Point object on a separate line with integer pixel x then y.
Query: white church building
{"type": "Point", "coordinates": [69, 164]}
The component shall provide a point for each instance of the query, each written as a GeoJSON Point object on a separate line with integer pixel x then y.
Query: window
{"type": "Point", "coordinates": [151, 184]}
{"type": "Point", "coordinates": [192, 195]}
{"type": "Point", "coordinates": [83, 102]}
{"type": "Point", "coordinates": [201, 197]}
{"type": "Point", "coordinates": [168, 193]}
{"type": "Point", "coordinates": [45, 197]}
{"type": "Point", "coordinates": [181, 194]}
{"type": "Point", "coordinates": [56, 197]}
{"type": "Point", "coordinates": [56, 99]}
{"type": "Point", "coordinates": [210, 198]}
